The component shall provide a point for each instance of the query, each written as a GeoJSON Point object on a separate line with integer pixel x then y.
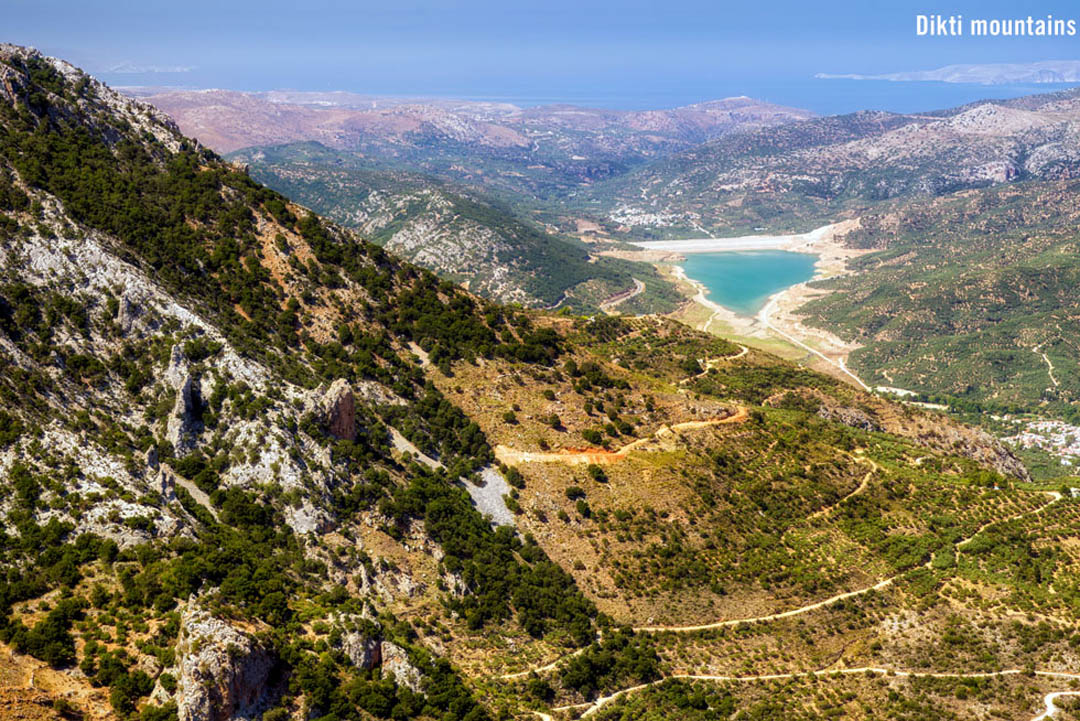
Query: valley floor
{"type": "Point", "coordinates": [777, 328]}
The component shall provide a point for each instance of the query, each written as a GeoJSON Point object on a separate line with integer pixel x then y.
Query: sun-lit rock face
{"type": "Point", "coordinates": [223, 672]}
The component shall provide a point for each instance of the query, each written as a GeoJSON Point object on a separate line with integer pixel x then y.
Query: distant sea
{"type": "Point", "coordinates": [827, 97]}
{"type": "Point", "coordinates": [743, 280]}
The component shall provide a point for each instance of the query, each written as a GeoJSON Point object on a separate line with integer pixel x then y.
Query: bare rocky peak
{"type": "Point", "coordinates": [90, 96]}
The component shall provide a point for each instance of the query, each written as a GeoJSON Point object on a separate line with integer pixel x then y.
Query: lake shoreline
{"type": "Point", "coordinates": [743, 281]}
{"type": "Point", "coordinates": [779, 317]}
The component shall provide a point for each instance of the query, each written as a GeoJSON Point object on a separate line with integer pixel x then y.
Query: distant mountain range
{"type": "Point", "coordinates": [792, 176]}
{"type": "Point", "coordinates": [1049, 71]}
{"type": "Point", "coordinates": [229, 120]}
{"type": "Point", "coordinates": [501, 149]}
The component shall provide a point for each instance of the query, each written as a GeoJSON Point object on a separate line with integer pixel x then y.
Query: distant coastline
{"type": "Point", "coordinates": [1044, 72]}
{"type": "Point", "coordinates": [820, 95]}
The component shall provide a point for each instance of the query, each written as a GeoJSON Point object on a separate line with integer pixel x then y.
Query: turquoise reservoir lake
{"type": "Point", "coordinates": [743, 280]}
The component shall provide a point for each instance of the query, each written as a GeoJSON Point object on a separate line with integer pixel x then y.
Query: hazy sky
{"type": "Point", "coordinates": [510, 47]}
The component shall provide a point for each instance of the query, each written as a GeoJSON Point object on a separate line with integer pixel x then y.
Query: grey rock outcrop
{"type": "Point", "coordinates": [151, 458]}
{"type": "Point", "coordinates": [360, 642]}
{"type": "Point", "coordinates": [127, 314]}
{"type": "Point", "coordinates": [183, 425]}
{"type": "Point", "coordinates": [223, 673]}
{"type": "Point", "coordinates": [489, 496]}
{"type": "Point", "coordinates": [395, 662]}
{"type": "Point", "coordinates": [852, 417]}
{"type": "Point", "coordinates": [374, 393]}
{"type": "Point", "coordinates": [364, 651]}
{"type": "Point", "coordinates": [983, 448]}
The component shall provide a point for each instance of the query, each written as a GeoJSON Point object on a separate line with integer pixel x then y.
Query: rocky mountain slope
{"type": "Point", "coordinates": [243, 455]}
{"type": "Point", "coordinates": [822, 169]}
{"type": "Point", "coordinates": [198, 383]}
{"type": "Point", "coordinates": [456, 232]}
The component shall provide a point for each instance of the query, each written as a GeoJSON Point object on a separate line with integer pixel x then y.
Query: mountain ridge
{"type": "Point", "coordinates": [331, 117]}
{"type": "Point", "coordinates": [1045, 71]}
{"type": "Point", "coordinates": [824, 169]}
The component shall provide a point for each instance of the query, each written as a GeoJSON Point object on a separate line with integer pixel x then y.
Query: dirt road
{"type": "Point", "coordinates": [599, 456]}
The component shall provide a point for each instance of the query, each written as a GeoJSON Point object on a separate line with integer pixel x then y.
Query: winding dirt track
{"type": "Point", "coordinates": [765, 317]}
{"type": "Point", "coordinates": [884, 583]}
{"type": "Point", "coordinates": [772, 616]}
{"type": "Point", "coordinates": [711, 363]}
{"type": "Point", "coordinates": [593, 706]}
{"type": "Point", "coordinates": [545, 668]}
{"type": "Point", "coordinates": [572, 456]}
{"type": "Point", "coordinates": [509, 456]}
{"type": "Point", "coordinates": [1054, 497]}
{"type": "Point", "coordinates": [1051, 707]}
{"type": "Point", "coordinates": [874, 468]}
{"type": "Point", "coordinates": [608, 306]}
{"type": "Point", "coordinates": [1050, 366]}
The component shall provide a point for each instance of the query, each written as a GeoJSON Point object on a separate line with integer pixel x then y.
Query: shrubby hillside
{"type": "Point", "coordinates": [457, 233]}
{"type": "Point", "coordinates": [255, 466]}
{"type": "Point", "coordinates": [971, 298]}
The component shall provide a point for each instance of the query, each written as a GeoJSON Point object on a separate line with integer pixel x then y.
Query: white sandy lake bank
{"type": "Point", "coordinates": [797, 242]}
{"type": "Point", "coordinates": [779, 317]}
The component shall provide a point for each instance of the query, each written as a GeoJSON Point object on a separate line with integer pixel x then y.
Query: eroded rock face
{"type": "Point", "coordinates": [340, 408]}
{"type": "Point", "coordinates": [395, 662]}
{"type": "Point", "coordinates": [360, 642]}
{"type": "Point", "coordinates": [223, 673]}
{"type": "Point", "coordinates": [183, 425]}
{"type": "Point", "coordinates": [128, 314]}
{"type": "Point", "coordinates": [364, 651]}
{"type": "Point", "coordinates": [980, 446]}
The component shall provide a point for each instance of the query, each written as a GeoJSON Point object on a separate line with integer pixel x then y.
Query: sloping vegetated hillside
{"type": "Point", "coordinates": [459, 234]}
{"type": "Point", "coordinates": [971, 298]}
{"type": "Point", "coordinates": [243, 455]}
